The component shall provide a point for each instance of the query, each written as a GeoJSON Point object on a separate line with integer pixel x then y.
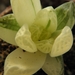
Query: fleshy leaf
{"type": "Point", "coordinates": [54, 66]}
{"type": "Point", "coordinates": [8, 28]}
{"type": "Point", "coordinates": [65, 15]}
{"type": "Point", "coordinates": [62, 43]}
{"type": "Point", "coordinates": [24, 41]}
{"type": "Point", "coordinates": [8, 35]}
{"type": "Point", "coordinates": [47, 19]}
{"type": "Point", "coordinates": [74, 9]}
{"type": "Point", "coordinates": [20, 62]}
{"type": "Point", "coordinates": [36, 31]}
{"type": "Point", "coordinates": [45, 46]}
{"type": "Point", "coordinates": [9, 22]}
{"type": "Point", "coordinates": [25, 10]}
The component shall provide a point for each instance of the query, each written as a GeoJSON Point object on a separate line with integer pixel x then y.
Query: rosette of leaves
{"type": "Point", "coordinates": [42, 35]}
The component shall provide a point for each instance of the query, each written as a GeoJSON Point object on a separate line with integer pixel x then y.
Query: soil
{"type": "Point", "coordinates": [69, 57]}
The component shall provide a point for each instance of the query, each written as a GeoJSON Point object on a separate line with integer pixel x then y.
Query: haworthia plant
{"type": "Point", "coordinates": [42, 35]}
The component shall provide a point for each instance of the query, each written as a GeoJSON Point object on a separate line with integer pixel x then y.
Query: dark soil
{"type": "Point", "coordinates": [69, 57]}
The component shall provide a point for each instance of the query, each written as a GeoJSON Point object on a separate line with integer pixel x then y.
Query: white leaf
{"type": "Point", "coordinates": [8, 35]}
{"type": "Point", "coordinates": [20, 62]}
{"type": "Point", "coordinates": [62, 43]}
{"type": "Point", "coordinates": [25, 10]}
{"type": "Point", "coordinates": [24, 40]}
{"type": "Point", "coordinates": [53, 66]}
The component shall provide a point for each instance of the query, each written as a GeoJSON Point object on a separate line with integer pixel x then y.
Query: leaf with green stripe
{"type": "Point", "coordinates": [9, 22]}
{"type": "Point", "coordinates": [65, 15]}
{"type": "Point", "coordinates": [8, 28]}
{"type": "Point", "coordinates": [46, 24]}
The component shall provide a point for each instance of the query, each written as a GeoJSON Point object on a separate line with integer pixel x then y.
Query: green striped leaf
{"type": "Point", "coordinates": [9, 22]}
{"type": "Point", "coordinates": [8, 28]}
{"type": "Point", "coordinates": [65, 15]}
